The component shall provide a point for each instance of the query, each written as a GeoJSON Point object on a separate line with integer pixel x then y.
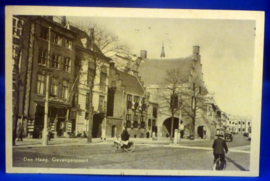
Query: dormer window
{"type": "Point", "coordinates": [84, 42]}
{"type": "Point", "coordinates": [68, 43]}
{"type": "Point", "coordinates": [57, 39]}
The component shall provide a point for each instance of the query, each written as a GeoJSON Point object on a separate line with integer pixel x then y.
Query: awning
{"type": "Point", "coordinates": [56, 104]}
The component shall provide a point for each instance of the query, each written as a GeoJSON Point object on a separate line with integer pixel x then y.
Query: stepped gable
{"type": "Point", "coordinates": [131, 82]}
{"type": "Point", "coordinates": [153, 71]}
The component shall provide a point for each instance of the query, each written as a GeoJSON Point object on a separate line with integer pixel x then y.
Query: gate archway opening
{"type": "Point", "coordinates": [168, 124]}
{"type": "Point", "coordinates": [201, 130]}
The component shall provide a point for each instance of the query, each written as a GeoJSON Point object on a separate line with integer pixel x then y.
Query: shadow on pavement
{"type": "Point", "coordinates": [236, 164]}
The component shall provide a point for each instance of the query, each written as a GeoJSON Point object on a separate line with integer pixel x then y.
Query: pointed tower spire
{"type": "Point", "coordinates": [162, 51]}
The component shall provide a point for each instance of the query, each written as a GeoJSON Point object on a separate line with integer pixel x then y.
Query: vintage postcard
{"type": "Point", "coordinates": [133, 91]}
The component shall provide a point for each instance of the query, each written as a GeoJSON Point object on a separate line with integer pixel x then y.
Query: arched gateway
{"type": "Point", "coordinates": [167, 125]}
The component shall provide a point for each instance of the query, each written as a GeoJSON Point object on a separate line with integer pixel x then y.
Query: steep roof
{"type": "Point", "coordinates": [89, 45]}
{"type": "Point", "coordinates": [80, 34]}
{"type": "Point", "coordinates": [153, 71]}
{"type": "Point", "coordinates": [131, 82]}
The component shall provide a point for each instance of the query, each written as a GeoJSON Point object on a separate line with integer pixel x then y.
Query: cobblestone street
{"type": "Point", "coordinates": [189, 155]}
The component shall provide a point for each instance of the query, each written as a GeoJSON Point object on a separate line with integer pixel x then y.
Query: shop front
{"type": "Point", "coordinates": [58, 121]}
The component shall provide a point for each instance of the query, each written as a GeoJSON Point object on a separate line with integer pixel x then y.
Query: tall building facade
{"type": "Point", "coordinates": [47, 51]}
{"type": "Point", "coordinates": [82, 82]}
{"type": "Point", "coordinates": [127, 102]}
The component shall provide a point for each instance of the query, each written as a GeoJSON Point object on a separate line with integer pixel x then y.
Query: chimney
{"type": "Point", "coordinates": [196, 53]}
{"type": "Point", "coordinates": [143, 54]}
{"type": "Point", "coordinates": [196, 49]}
{"type": "Point", "coordinates": [64, 20]}
{"type": "Point", "coordinates": [162, 55]}
{"type": "Point", "coordinates": [112, 64]}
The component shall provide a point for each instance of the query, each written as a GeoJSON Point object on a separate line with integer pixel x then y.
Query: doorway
{"type": "Point", "coordinates": [201, 131]}
{"type": "Point", "coordinates": [96, 130]}
{"type": "Point", "coordinates": [113, 131]}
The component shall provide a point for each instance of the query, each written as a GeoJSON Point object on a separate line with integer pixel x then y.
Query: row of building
{"type": "Point", "coordinates": [82, 79]}
{"type": "Point", "coordinates": [45, 46]}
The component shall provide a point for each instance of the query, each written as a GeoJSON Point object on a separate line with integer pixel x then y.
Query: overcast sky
{"type": "Point", "coordinates": [226, 48]}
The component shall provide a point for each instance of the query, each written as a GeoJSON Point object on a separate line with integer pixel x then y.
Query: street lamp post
{"type": "Point", "coordinates": [105, 120]}
{"type": "Point", "coordinates": [46, 106]}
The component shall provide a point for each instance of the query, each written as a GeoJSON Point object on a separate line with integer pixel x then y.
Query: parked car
{"type": "Point", "coordinates": [228, 137]}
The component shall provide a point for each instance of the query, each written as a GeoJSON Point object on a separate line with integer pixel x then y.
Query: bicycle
{"type": "Point", "coordinates": [219, 165]}
{"type": "Point", "coordinates": [128, 148]}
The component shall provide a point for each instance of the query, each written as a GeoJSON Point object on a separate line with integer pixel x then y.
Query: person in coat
{"type": "Point", "coordinates": [20, 132]}
{"type": "Point", "coordinates": [219, 148]}
{"type": "Point", "coordinates": [124, 137]}
{"type": "Point", "coordinates": [181, 128]}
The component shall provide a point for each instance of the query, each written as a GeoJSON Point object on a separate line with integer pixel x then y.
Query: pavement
{"type": "Point", "coordinates": [30, 142]}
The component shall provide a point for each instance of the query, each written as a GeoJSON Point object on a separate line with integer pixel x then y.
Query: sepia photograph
{"type": "Point", "coordinates": [133, 91]}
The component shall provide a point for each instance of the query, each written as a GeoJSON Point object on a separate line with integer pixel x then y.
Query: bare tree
{"type": "Point", "coordinates": [181, 93]}
{"type": "Point", "coordinates": [102, 44]}
{"type": "Point", "coordinates": [105, 41]}
{"type": "Point", "coordinates": [193, 99]}
{"type": "Point", "coordinates": [169, 94]}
